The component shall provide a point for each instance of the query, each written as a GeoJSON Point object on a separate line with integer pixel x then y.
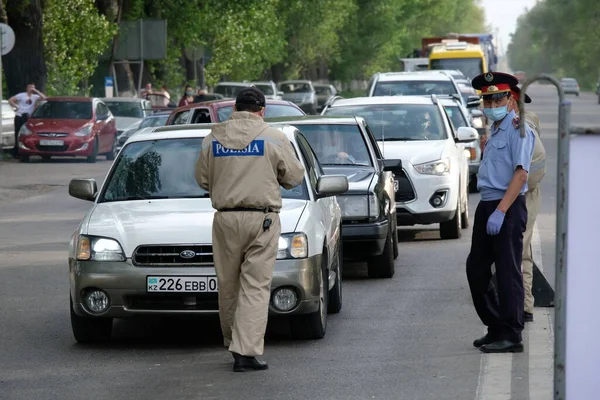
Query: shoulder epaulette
{"type": "Point", "coordinates": [516, 122]}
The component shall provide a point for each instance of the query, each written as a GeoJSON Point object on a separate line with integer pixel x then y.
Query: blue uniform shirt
{"type": "Point", "coordinates": [504, 151]}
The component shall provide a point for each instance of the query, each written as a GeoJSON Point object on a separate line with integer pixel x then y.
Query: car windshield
{"type": "Point", "coordinates": [470, 67]}
{"type": "Point", "coordinates": [323, 90]}
{"type": "Point", "coordinates": [128, 109]}
{"type": "Point", "coordinates": [337, 144]}
{"type": "Point", "coordinates": [393, 122]}
{"type": "Point", "coordinates": [266, 89]}
{"type": "Point", "coordinates": [64, 110]}
{"type": "Point", "coordinates": [458, 119]}
{"type": "Point", "coordinates": [163, 169]}
{"type": "Point", "coordinates": [154, 121]}
{"type": "Point", "coordinates": [228, 90]}
{"type": "Point", "coordinates": [414, 88]}
{"type": "Point", "coordinates": [272, 111]}
{"type": "Point", "coordinates": [297, 87]}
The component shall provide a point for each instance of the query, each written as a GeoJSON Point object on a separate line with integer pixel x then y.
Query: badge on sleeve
{"type": "Point", "coordinates": [516, 122]}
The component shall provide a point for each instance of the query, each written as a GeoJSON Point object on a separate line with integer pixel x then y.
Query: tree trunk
{"type": "Point", "coordinates": [25, 63]}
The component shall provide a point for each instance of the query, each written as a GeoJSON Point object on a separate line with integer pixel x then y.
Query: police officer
{"type": "Point", "coordinates": [242, 164]}
{"type": "Point", "coordinates": [532, 196]}
{"type": "Point", "coordinates": [500, 219]}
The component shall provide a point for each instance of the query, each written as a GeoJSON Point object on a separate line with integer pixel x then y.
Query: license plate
{"type": "Point", "coordinates": [51, 142]}
{"type": "Point", "coordinates": [182, 284]}
{"type": "Point", "coordinates": [395, 185]}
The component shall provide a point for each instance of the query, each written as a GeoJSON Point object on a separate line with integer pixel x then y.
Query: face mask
{"type": "Point", "coordinates": [189, 93]}
{"type": "Point", "coordinates": [496, 114]}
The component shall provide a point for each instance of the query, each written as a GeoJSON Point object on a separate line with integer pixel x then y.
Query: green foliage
{"type": "Point", "coordinates": [74, 37]}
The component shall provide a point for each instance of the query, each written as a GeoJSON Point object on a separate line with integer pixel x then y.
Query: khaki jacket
{"type": "Point", "coordinates": [538, 162]}
{"type": "Point", "coordinates": [244, 161]}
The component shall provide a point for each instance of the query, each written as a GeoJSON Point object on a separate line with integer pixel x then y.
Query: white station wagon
{"type": "Point", "coordinates": [145, 247]}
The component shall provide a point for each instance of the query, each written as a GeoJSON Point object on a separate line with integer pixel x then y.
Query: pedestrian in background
{"type": "Point", "coordinates": [24, 103]}
{"type": "Point", "coordinates": [500, 220]}
{"type": "Point", "coordinates": [188, 96]}
{"type": "Point", "coordinates": [242, 164]}
{"type": "Point", "coordinates": [167, 97]}
{"type": "Point", "coordinates": [532, 197]}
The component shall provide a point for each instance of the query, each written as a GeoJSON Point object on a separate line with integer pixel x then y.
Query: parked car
{"type": "Point", "coordinates": [324, 93]}
{"type": "Point", "coordinates": [128, 110]}
{"type": "Point", "coordinates": [302, 93]}
{"type": "Point", "coordinates": [269, 89]}
{"type": "Point", "coordinates": [69, 126]}
{"type": "Point", "coordinates": [433, 184]}
{"type": "Point", "coordinates": [368, 208]}
{"type": "Point", "coordinates": [229, 89]}
{"type": "Point", "coordinates": [570, 86]}
{"type": "Point", "coordinates": [156, 119]}
{"type": "Point", "coordinates": [220, 110]}
{"type": "Point", "coordinates": [7, 141]}
{"type": "Point", "coordinates": [139, 268]}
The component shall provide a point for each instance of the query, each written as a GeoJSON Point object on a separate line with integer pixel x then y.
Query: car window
{"type": "Point", "coordinates": [414, 88]}
{"type": "Point", "coordinates": [297, 87]}
{"type": "Point", "coordinates": [181, 118]}
{"type": "Point", "coordinates": [163, 169]}
{"type": "Point", "coordinates": [272, 111]}
{"type": "Point", "coordinates": [64, 110]}
{"type": "Point", "coordinates": [337, 144]}
{"type": "Point", "coordinates": [457, 117]}
{"type": "Point", "coordinates": [103, 109]}
{"type": "Point", "coordinates": [228, 90]}
{"type": "Point", "coordinates": [398, 121]}
{"type": "Point", "coordinates": [312, 165]}
{"type": "Point", "coordinates": [266, 89]}
{"type": "Point", "coordinates": [129, 109]}
{"type": "Point", "coordinates": [201, 116]}
{"type": "Point", "coordinates": [323, 90]}
{"type": "Point", "coordinates": [154, 121]}
{"type": "Point", "coordinates": [374, 145]}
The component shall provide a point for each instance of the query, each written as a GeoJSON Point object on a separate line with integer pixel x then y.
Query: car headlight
{"type": "Point", "coordinates": [439, 167]}
{"type": "Point", "coordinates": [85, 131]}
{"type": "Point", "coordinates": [24, 131]}
{"type": "Point", "coordinates": [292, 245]}
{"type": "Point", "coordinates": [354, 207]}
{"type": "Point", "coordinates": [477, 122]}
{"type": "Point", "coordinates": [91, 248]}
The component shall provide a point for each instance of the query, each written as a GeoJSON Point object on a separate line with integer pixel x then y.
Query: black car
{"type": "Point", "coordinates": [345, 145]}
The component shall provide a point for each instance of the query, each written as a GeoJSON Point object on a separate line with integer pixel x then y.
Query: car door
{"type": "Point", "coordinates": [457, 156]}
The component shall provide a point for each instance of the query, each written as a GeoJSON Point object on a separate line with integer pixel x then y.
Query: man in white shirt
{"type": "Point", "coordinates": [25, 103]}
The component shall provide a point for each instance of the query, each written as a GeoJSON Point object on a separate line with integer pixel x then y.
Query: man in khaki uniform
{"type": "Point", "coordinates": [532, 198]}
{"type": "Point", "coordinates": [242, 164]}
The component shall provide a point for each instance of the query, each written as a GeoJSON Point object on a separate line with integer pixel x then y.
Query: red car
{"type": "Point", "coordinates": [69, 126]}
{"type": "Point", "coordinates": [220, 110]}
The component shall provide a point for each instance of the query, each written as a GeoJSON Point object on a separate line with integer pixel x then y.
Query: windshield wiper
{"type": "Point", "coordinates": [127, 198]}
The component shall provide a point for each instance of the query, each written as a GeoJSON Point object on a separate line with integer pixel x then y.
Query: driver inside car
{"type": "Point", "coordinates": [334, 150]}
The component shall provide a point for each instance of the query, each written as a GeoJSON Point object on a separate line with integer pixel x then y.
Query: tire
{"type": "Point", "coordinates": [452, 229]}
{"type": "Point", "coordinates": [92, 159]}
{"type": "Point", "coordinates": [314, 325]}
{"type": "Point", "coordinates": [396, 252]}
{"type": "Point", "coordinates": [382, 266]}
{"type": "Point", "coordinates": [464, 216]}
{"type": "Point", "coordinates": [24, 159]}
{"type": "Point", "coordinates": [110, 156]}
{"type": "Point", "coordinates": [90, 329]}
{"type": "Point", "coordinates": [334, 303]}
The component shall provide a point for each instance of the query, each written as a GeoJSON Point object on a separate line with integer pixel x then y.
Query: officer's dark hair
{"type": "Point", "coordinates": [250, 99]}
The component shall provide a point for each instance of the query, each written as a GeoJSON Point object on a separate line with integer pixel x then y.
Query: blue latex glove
{"type": "Point", "coordinates": [495, 222]}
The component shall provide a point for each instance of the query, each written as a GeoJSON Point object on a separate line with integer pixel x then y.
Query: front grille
{"type": "Point", "coordinates": [171, 255]}
{"type": "Point", "coordinates": [173, 302]}
{"type": "Point", "coordinates": [53, 134]}
{"type": "Point", "coordinates": [64, 147]}
{"type": "Point", "coordinates": [405, 189]}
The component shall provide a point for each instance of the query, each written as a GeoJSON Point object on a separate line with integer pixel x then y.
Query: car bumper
{"type": "Point", "coordinates": [364, 239]}
{"type": "Point", "coordinates": [125, 285]}
{"type": "Point", "coordinates": [71, 146]}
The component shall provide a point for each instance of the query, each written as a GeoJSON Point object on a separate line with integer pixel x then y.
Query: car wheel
{"type": "Point", "coordinates": [314, 325]}
{"type": "Point", "coordinates": [334, 305]}
{"type": "Point", "coordinates": [452, 229]}
{"type": "Point", "coordinates": [89, 329]}
{"type": "Point", "coordinates": [395, 248]}
{"type": "Point", "coordinates": [24, 159]}
{"type": "Point", "coordinates": [92, 158]}
{"type": "Point", "coordinates": [382, 266]}
{"type": "Point", "coordinates": [112, 153]}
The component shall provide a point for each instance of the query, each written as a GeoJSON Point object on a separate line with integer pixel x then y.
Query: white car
{"type": "Point", "coordinates": [433, 185]}
{"type": "Point", "coordinates": [145, 246]}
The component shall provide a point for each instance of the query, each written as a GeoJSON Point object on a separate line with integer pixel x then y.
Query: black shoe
{"type": "Point", "coordinates": [487, 339]}
{"type": "Point", "coordinates": [528, 317]}
{"type": "Point", "coordinates": [245, 363]}
{"type": "Point", "coordinates": [502, 346]}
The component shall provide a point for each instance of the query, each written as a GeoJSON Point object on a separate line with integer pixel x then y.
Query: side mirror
{"type": "Point", "coordinates": [331, 185]}
{"type": "Point", "coordinates": [391, 165]}
{"type": "Point", "coordinates": [473, 101]}
{"type": "Point", "coordinates": [466, 134]}
{"type": "Point", "coordinates": [84, 189]}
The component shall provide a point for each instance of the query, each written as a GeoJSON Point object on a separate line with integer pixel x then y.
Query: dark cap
{"type": "Point", "coordinates": [251, 96]}
{"type": "Point", "coordinates": [517, 91]}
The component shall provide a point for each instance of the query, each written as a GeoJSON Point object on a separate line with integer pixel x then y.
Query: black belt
{"type": "Point", "coordinates": [242, 209]}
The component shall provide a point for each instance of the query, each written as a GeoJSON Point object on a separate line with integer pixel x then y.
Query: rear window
{"type": "Point", "coordinates": [64, 110]}
{"type": "Point", "coordinates": [323, 90]}
{"type": "Point", "coordinates": [228, 90]}
{"type": "Point", "coordinates": [298, 87]}
{"type": "Point", "coordinates": [266, 89]}
{"type": "Point", "coordinates": [272, 111]}
{"type": "Point", "coordinates": [414, 88]}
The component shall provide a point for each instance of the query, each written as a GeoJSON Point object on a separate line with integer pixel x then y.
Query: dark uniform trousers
{"type": "Point", "coordinates": [500, 310]}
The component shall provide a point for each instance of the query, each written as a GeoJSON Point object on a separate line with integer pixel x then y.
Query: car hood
{"type": "Point", "coordinates": [124, 123]}
{"type": "Point", "coordinates": [359, 178]}
{"type": "Point", "coordinates": [56, 125]}
{"type": "Point", "coordinates": [169, 221]}
{"type": "Point", "coordinates": [413, 151]}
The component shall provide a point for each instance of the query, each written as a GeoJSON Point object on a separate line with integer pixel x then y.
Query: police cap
{"type": "Point", "coordinates": [251, 96]}
{"type": "Point", "coordinates": [517, 94]}
{"type": "Point", "coordinates": [494, 85]}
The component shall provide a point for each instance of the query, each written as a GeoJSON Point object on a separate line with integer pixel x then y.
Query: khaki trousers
{"type": "Point", "coordinates": [532, 198]}
{"type": "Point", "coordinates": [244, 258]}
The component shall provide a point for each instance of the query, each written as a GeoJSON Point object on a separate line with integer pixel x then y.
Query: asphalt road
{"type": "Point", "coordinates": [405, 338]}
